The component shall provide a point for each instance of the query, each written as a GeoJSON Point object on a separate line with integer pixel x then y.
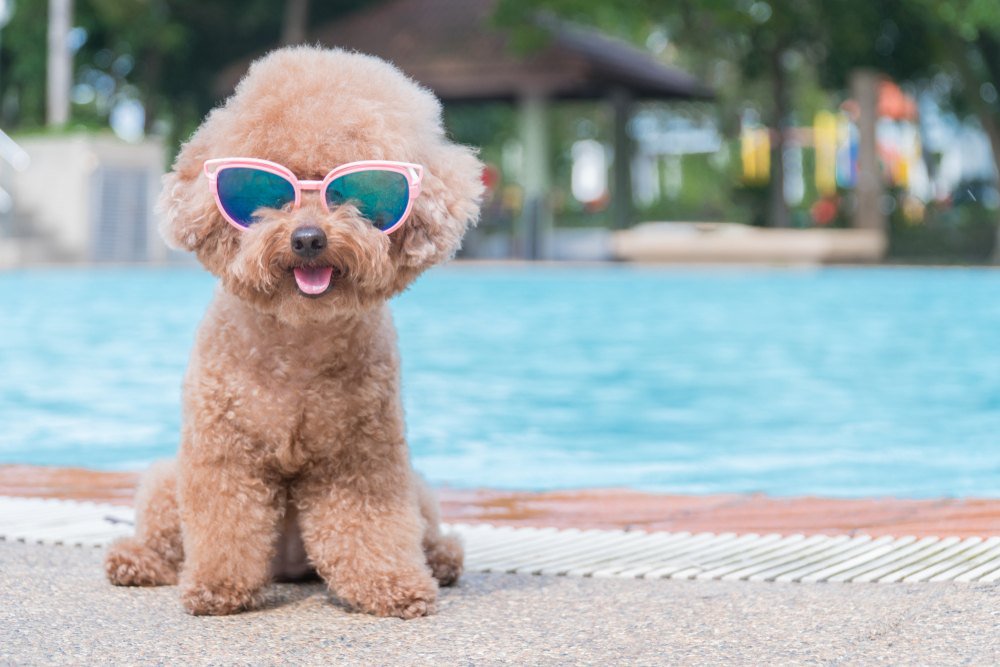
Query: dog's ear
{"type": "Point", "coordinates": [448, 203]}
{"type": "Point", "coordinates": [185, 207]}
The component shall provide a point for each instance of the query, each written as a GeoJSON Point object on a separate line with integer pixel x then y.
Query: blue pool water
{"type": "Point", "coordinates": [839, 382]}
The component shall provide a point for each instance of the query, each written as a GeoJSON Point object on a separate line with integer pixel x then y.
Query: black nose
{"type": "Point", "coordinates": [308, 242]}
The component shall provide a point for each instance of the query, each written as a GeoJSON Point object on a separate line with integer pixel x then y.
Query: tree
{"type": "Point", "coordinates": [970, 43]}
{"type": "Point", "coordinates": [22, 66]}
{"type": "Point", "coordinates": [916, 41]}
{"type": "Point", "coordinates": [762, 41]}
{"type": "Point", "coordinates": [163, 53]}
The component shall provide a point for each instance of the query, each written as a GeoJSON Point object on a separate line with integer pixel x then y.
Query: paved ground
{"type": "Point", "coordinates": [55, 608]}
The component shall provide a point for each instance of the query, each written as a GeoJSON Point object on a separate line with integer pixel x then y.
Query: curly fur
{"type": "Point", "coordinates": [293, 441]}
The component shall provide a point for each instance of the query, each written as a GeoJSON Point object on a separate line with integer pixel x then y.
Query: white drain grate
{"type": "Point", "coordinates": [609, 553]}
{"type": "Point", "coordinates": [63, 522]}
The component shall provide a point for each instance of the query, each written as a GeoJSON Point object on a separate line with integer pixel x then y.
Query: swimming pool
{"type": "Point", "coordinates": [837, 382]}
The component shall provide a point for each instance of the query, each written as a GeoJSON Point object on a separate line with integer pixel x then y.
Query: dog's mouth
{"type": "Point", "coordinates": [314, 281]}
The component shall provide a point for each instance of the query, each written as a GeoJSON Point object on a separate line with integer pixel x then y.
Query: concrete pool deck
{"type": "Point", "coordinates": [611, 509]}
{"type": "Point", "coordinates": [57, 608]}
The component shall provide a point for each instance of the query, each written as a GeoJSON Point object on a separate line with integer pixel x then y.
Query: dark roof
{"type": "Point", "coordinates": [452, 47]}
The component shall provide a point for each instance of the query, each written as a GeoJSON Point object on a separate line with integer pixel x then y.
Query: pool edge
{"type": "Point", "coordinates": [610, 508]}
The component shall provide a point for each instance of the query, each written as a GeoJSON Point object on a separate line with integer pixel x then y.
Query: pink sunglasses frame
{"type": "Point", "coordinates": [414, 174]}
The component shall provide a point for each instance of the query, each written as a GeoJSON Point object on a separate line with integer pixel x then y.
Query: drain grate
{"type": "Point", "coordinates": [609, 553]}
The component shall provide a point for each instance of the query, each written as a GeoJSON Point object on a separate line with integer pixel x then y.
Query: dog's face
{"type": "Point", "coordinates": [311, 110]}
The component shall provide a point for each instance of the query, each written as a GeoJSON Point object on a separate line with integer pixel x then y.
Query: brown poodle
{"type": "Point", "coordinates": [293, 457]}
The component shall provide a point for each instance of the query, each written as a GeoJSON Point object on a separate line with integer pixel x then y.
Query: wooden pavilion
{"type": "Point", "coordinates": [453, 48]}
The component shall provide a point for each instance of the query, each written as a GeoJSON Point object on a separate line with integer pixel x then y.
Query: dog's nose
{"type": "Point", "coordinates": [308, 242]}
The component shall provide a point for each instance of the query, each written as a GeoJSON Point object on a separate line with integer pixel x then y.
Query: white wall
{"type": "Point", "coordinates": [57, 192]}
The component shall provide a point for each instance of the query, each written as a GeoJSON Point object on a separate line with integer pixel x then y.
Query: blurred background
{"type": "Point", "coordinates": [733, 122]}
{"type": "Point", "coordinates": [624, 142]}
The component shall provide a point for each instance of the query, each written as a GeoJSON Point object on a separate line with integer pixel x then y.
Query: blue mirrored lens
{"type": "Point", "coordinates": [244, 190]}
{"type": "Point", "coordinates": [380, 196]}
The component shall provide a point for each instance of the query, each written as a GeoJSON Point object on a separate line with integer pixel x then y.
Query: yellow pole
{"type": "Point", "coordinates": [825, 143]}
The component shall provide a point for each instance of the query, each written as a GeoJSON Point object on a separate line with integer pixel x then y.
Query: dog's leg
{"type": "Point", "coordinates": [367, 546]}
{"type": "Point", "coordinates": [151, 557]}
{"type": "Point", "coordinates": [444, 553]}
{"type": "Point", "coordinates": [230, 518]}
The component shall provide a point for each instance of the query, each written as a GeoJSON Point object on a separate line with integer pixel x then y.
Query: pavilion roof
{"type": "Point", "coordinates": [453, 48]}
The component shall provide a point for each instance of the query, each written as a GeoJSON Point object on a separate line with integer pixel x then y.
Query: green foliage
{"type": "Point", "coordinates": [22, 66]}
{"type": "Point", "coordinates": [784, 59]}
{"type": "Point", "coordinates": [706, 194]}
{"type": "Point", "coordinates": [948, 235]}
{"type": "Point", "coordinates": [787, 58]}
{"type": "Point", "coordinates": [759, 56]}
{"type": "Point", "coordinates": [165, 53]}
{"type": "Point", "coordinates": [487, 126]}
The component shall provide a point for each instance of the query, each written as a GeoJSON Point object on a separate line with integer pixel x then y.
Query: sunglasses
{"type": "Point", "coordinates": [383, 192]}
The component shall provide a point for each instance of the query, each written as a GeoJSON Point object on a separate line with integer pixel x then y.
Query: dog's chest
{"type": "Point", "coordinates": [295, 402]}
{"type": "Point", "coordinates": [295, 420]}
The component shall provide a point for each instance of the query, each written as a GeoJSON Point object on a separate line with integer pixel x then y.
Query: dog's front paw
{"type": "Point", "coordinates": [404, 596]}
{"type": "Point", "coordinates": [217, 599]}
{"type": "Point", "coordinates": [129, 563]}
{"type": "Point", "coordinates": [412, 603]}
{"type": "Point", "coordinates": [415, 609]}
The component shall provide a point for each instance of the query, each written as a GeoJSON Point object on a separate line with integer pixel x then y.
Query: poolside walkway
{"type": "Point", "coordinates": [56, 608]}
{"type": "Point", "coordinates": [612, 508]}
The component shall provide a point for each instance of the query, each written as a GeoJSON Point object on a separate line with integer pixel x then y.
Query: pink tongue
{"type": "Point", "coordinates": [313, 279]}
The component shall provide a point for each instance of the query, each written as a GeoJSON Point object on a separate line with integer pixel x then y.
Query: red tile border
{"type": "Point", "coordinates": [612, 508]}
